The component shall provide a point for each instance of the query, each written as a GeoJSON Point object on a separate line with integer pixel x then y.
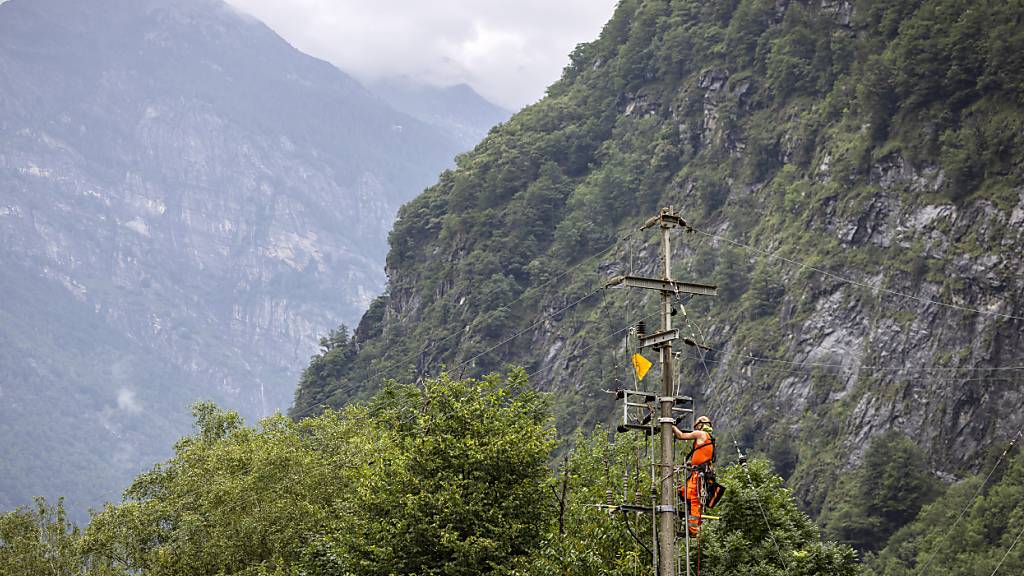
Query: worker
{"type": "Point", "coordinates": [699, 460]}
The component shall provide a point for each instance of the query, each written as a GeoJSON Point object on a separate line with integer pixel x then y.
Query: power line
{"type": "Point", "coordinates": [575, 303]}
{"type": "Point", "coordinates": [973, 498]}
{"type": "Point", "coordinates": [595, 343]}
{"type": "Point", "coordinates": [352, 386]}
{"type": "Point", "coordinates": [704, 364]}
{"type": "Point", "coordinates": [527, 292]}
{"type": "Point", "coordinates": [860, 366]}
{"type": "Point", "coordinates": [855, 282]}
{"type": "Point", "coordinates": [507, 307]}
{"type": "Point", "coordinates": [530, 327]}
{"type": "Point", "coordinates": [899, 379]}
{"type": "Point", "coordinates": [534, 290]}
{"type": "Point", "coordinates": [877, 368]}
{"type": "Point", "coordinates": [757, 498]}
{"type": "Point", "coordinates": [1008, 550]}
{"type": "Point", "coordinates": [530, 291]}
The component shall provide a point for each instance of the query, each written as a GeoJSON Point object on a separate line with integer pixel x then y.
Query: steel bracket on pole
{"type": "Point", "coordinates": [683, 406]}
{"type": "Point", "coordinates": [670, 286]}
{"type": "Point", "coordinates": [659, 338]}
{"type": "Point", "coordinates": [668, 218]}
{"type": "Point", "coordinates": [637, 410]}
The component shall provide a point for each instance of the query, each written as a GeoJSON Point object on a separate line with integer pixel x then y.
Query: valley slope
{"type": "Point", "coordinates": [186, 204]}
{"type": "Point", "coordinates": [854, 173]}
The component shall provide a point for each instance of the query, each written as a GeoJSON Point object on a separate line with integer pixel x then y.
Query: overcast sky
{"type": "Point", "coordinates": [508, 50]}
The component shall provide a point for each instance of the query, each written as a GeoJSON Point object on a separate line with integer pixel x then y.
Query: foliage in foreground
{"type": "Point", "coordinates": [447, 481]}
{"type": "Point", "coordinates": [44, 542]}
{"type": "Point", "coordinates": [980, 543]}
{"type": "Point", "coordinates": [451, 479]}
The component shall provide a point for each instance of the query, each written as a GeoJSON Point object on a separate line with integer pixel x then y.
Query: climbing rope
{"type": "Point", "coordinates": [700, 535]}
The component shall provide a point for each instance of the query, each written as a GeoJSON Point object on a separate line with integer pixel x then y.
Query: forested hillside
{"type": "Point", "coordinates": [853, 172]}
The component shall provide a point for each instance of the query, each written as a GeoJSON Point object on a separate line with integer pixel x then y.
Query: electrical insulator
{"type": "Point", "coordinates": [641, 329]}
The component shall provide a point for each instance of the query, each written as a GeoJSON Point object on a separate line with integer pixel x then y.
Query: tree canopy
{"type": "Point", "coordinates": [451, 478]}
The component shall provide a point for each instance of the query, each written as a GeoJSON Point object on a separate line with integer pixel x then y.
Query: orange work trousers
{"type": "Point", "coordinates": [694, 499]}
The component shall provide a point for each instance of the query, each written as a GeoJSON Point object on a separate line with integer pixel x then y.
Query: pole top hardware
{"type": "Point", "coordinates": [667, 218]}
{"type": "Point", "coordinates": [670, 286]}
{"type": "Point", "coordinates": [691, 342]}
{"type": "Point", "coordinates": [658, 338]}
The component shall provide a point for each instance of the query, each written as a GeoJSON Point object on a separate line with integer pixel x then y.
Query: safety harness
{"type": "Point", "coordinates": [703, 459]}
{"type": "Point", "coordinates": [703, 463]}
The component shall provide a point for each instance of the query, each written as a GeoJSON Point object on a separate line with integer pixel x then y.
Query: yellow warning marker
{"type": "Point", "coordinates": [641, 365]}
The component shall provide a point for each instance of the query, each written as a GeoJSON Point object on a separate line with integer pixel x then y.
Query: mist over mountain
{"type": "Point", "coordinates": [457, 110]}
{"type": "Point", "coordinates": [186, 204]}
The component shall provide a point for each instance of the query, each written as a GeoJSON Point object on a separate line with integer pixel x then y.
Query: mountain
{"type": "Point", "coordinates": [853, 172]}
{"type": "Point", "coordinates": [457, 110]}
{"type": "Point", "coordinates": [187, 204]}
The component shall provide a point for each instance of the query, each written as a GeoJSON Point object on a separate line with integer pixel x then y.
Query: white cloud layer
{"type": "Point", "coordinates": [509, 51]}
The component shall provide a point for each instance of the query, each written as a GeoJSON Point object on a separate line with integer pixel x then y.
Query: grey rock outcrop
{"type": "Point", "coordinates": [186, 204]}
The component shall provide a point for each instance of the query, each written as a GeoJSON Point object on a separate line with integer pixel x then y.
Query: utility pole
{"type": "Point", "coordinates": [666, 508]}
{"type": "Point", "coordinates": [662, 340]}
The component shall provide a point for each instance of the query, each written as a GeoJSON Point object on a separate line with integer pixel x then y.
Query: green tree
{"type": "Point", "coordinates": [44, 542]}
{"type": "Point", "coordinates": [233, 500]}
{"type": "Point", "coordinates": [465, 492]}
{"type": "Point", "coordinates": [449, 480]}
{"type": "Point", "coordinates": [973, 544]}
{"type": "Point", "coordinates": [762, 531]}
{"type": "Point", "coordinates": [883, 494]}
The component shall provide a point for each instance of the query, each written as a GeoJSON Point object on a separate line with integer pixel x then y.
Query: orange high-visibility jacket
{"type": "Point", "coordinates": [703, 451]}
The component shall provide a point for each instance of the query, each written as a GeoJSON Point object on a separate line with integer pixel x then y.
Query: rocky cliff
{"type": "Point", "coordinates": [186, 204]}
{"type": "Point", "coordinates": [853, 171]}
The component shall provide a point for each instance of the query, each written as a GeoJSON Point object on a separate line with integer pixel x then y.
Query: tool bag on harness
{"type": "Point", "coordinates": [712, 491]}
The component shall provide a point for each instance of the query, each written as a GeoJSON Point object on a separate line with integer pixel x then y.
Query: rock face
{"type": "Point", "coordinates": [186, 204]}
{"type": "Point", "coordinates": [862, 218]}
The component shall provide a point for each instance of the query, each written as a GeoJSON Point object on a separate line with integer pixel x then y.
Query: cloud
{"type": "Point", "coordinates": [127, 401]}
{"type": "Point", "coordinates": [507, 51]}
